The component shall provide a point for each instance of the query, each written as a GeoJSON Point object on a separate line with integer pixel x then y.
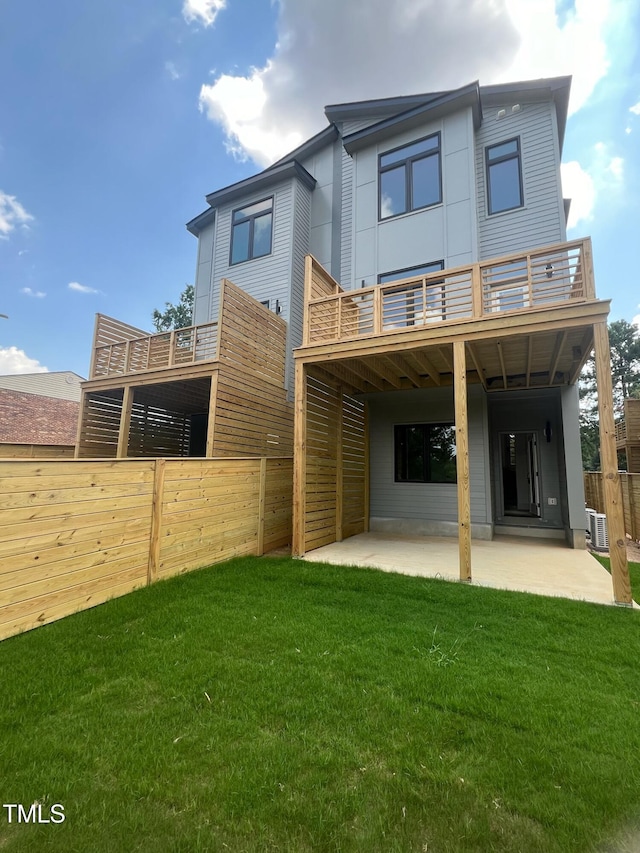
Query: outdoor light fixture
{"type": "Point", "coordinates": [549, 270]}
{"type": "Point", "coordinates": [548, 432]}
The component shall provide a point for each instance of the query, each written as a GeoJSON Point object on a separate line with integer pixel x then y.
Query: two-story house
{"type": "Point", "coordinates": [438, 319]}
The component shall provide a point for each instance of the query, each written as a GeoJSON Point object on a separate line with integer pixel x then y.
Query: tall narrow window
{"type": "Point", "coordinates": [425, 453]}
{"type": "Point", "coordinates": [504, 176]}
{"type": "Point", "coordinates": [410, 177]}
{"type": "Point", "coordinates": [251, 229]}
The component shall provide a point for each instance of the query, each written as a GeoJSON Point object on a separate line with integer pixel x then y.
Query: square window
{"type": "Point", "coordinates": [425, 453]}
{"type": "Point", "coordinates": [410, 177]}
{"type": "Point", "coordinates": [251, 231]}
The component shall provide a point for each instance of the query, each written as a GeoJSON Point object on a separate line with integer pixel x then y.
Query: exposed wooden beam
{"type": "Point", "coordinates": [586, 345]}
{"type": "Point", "coordinates": [502, 364]}
{"type": "Point", "coordinates": [340, 375]}
{"type": "Point", "coordinates": [476, 364]}
{"type": "Point", "coordinates": [444, 355]}
{"type": "Point", "coordinates": [402, 364]}
{"type": "Point", "coordinates": [462, 459]}
{"type": "Point", "coordinates": [529, 358]}
{"type": "Point", "coordinates": [561, 337]}
{"type": "Point", "coordinates": [359, 369]}
{"type": "Point", "coordinates": [609, 463]}
{"type": "Point", "coordinates": [377, 365]}
{"type": "Point", "coordinates": [427, 366]}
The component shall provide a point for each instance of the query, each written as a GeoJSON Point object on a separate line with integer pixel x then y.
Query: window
{"type": "Point", "coordinates": [410, 177]}
{"type": "Point", "coordinates": [404, 306]}
{"type": "Point", "coordinates": [251, 231]}
{"type": "Point", "coordinates": [425, 453]}
{"type": "Point", "coordinates": [504, 176]}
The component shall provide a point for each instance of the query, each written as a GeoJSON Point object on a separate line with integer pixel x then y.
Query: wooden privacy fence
{"type": "Point", "coordinates": [74, 533]}
{"type": "Point", "coordinates": [594, 496]}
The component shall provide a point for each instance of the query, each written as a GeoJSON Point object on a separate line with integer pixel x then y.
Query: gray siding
{"type": "Point", "coordinates": [345, 277]}
{"type": "Point", "coordinates": [541, 220]}
{"type": "Point", "coordinates": [204, 269]}
{"type": "Point", "coordinates": [320, 220]}
{"type": "Point", "coordinates": [63, 385]}
{"type": "Point", "coordinates": [425, 501]}
{"type": "Point", "coordinates": [529, 411]}
{"type": "Point", "coordinates": [444, 232]}
{"type": "Point", "coordinates": [263, 278]}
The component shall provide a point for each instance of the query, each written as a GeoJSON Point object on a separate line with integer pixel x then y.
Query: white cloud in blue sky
{"type": "Point", "coordinates": [34, 294]}
{"type": "Point", "coordinates": [12, 214]}
{"type": "Point", "coordinates": [14, 360]}
{"type": "Point", "coordinates": [81, 288]}
{"type": "Point", "coordinates": [202, 11]}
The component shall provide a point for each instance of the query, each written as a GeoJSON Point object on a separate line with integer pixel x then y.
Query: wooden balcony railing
{"type": "Point", "coordinates": [515, 283]}
{"type": "Point", "coordinates": [120, 349]}
{"type": "Point", "coordinates": [621, 432]}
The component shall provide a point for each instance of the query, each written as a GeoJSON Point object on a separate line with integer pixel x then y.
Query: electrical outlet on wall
{"type": "Point", "coordinates": [552, 501]}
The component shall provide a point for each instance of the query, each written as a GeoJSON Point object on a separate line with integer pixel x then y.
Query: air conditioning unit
{"type": "Point", "coordinates": [599, 535]}
{"type": "Point", "coordinates": [589, 513]}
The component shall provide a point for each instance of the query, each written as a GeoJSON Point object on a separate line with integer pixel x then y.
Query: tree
{"type": "Point", "coordinates": [624, 342]}
{"type": "Point", "coordinates": [175, 316]}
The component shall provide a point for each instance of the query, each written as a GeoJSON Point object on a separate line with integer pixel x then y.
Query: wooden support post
{"type": "Point", "coordinates": [462, 459]}
{"type": "Point", "coordinates": [82, 414]}
{"type": "Point", "coordinates": [377, 311]}
{"type": "Point", "coordinates": [156, 521]}
{"type": "Point", "coordinates": [125, 422]}
{"type": "Point", "coordinates": [261, 503]}
{"type": "Point", "coordinates": [366, 468]}
{"type": "Point", "coordinates": [476, 291]}
{"type": "Point", "coordinates": [299, 460]}
{"type": "Point", "coordinates": [339, 472]}
{"type": "Point", "coordinates": [609, 462]}
{"type": "Point", "coordinates": [211, 421]}
{"type": "Point", "coordinates": [172, 348]}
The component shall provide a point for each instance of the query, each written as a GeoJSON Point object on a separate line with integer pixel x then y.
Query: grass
{"type": "Point", "coordinates": [634, 572]}
{"type": "Point", "coordinates": [276, 705]}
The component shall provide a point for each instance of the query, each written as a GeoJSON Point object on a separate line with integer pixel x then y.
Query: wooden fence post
{"type": "Point", "coordinates": [462, 458]}
{"type": "Point", "coordinates": [156, 521]}
{"type": "Point", "coordinates": [339, 471]}
{"type": "Point", "coordinates": [261, 503]}
{"type": "Point", "coordinates": [609, 462]}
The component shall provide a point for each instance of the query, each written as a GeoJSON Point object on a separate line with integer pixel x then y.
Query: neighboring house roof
{"type": "Point", "coordinates": [37, 419]}
{"type": "Point", "coordinates": [63, 384]}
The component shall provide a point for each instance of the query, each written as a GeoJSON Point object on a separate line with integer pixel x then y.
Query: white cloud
{"type": "Point", "coordinates": [636, 320]}
{"type": "Point", "coordinates": [583, 184]}
{"type": "Point", "coordinates": [36, 294]}
{"type": "Point", "coordinates": [172, 71]}
{"type": "Point", "coordinates": [12, 213]}
{"type": "Point", "coordinates": [577, 185]}
{"type": "Point", "coordinates": [14, 360]}
{"type": "Point", "coordinates": [204, 11]}
{"type": "Point", "coordinates": [635, 109]}
{"type": "Point", "coordinates": [81, 288]}
{"type": "Point", "coordinates": [373, 48]}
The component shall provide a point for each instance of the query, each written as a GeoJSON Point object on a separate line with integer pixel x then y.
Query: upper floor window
{"type": "Point", "coordinates": [504, 176]}
{"type": "Point", "coordinates": [251, 229]}
{"type": "Point", "coordinates": [410, 177]}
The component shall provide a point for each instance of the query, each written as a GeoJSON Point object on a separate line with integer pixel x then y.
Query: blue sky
{"type": "Point", "coordinates": [117, 118]}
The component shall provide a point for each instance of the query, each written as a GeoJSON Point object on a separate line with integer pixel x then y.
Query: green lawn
{"type": "Point", "coordinates": [276, 705]}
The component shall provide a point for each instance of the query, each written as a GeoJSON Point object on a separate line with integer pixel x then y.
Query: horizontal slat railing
{"type": "Point", "coordinates": [149, 352]}
{"type": "Point", "coordinates": [515, 283]}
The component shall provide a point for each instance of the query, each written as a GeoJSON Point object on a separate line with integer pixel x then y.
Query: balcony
{"type": "Point", "coordinates": [121, 350]}
{"type": "Point", "coordinates": [491, 289]}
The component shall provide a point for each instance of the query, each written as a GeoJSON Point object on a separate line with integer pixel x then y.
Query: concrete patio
{"type": "Point", "coordinates": [541, 566]}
